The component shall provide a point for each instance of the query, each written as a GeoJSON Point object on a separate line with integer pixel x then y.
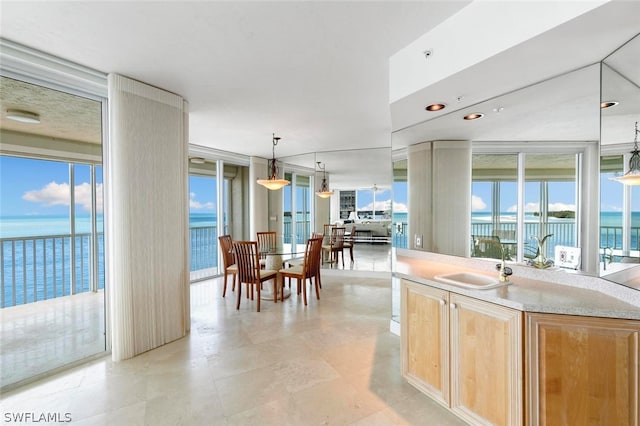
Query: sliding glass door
{"type": "Point", "coordinates": [52, 293]}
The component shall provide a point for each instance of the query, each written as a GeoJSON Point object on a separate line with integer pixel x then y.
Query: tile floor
{"type": "Point", "coordinates": [36, 336]}
{"type": "Point", "coordinates": [332, 362]}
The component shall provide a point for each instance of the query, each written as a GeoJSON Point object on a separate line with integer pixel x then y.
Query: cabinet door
{"type": "Point", "coordinates": [425, 339]}
{"type": "Point", "coordinates": [582, 370]}
{"type": "Point", "coordinates": [486, 362]}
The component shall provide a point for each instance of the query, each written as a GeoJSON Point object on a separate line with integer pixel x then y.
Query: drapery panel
{"type": "Point", "coordinates": [146, 217]}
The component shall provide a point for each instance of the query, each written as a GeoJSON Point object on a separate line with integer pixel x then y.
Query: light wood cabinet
{"type": "Point", "coordinates": [582, 370]}
{"type": "Point", "coordinates": [464, 353]}
{"type": "Point", "coordinates": [425, 339]}
{"type": "Point", "coordinates": [486, 362]}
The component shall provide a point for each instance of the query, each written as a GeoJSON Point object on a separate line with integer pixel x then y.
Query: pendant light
{"type": "Point", "coordinates": [632, 177]}
{"type": "Point", "coordinates": [324, 191]}
{"type": "Point", "coordinates": [272, 182]}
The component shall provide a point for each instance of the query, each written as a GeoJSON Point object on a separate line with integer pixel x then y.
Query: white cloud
{"type": "Point", "coordinates": [535, 207]}
{"type": "Point", "coordinates": [477, 203]}
{"type": "Point", "coordinates": [197, 205]}
{"type": "Point", "coordinates": [52, 194]}
{"type": "Point", "coordinates": [556, 207]}
{"type": "Point", "coordinates": [400, 208]}
{"type": "Point", "coordinates": [380, 205]}
{"type": "Point", "coordinates": [58, 194]}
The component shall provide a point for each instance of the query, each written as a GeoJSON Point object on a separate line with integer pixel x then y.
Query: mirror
{"type": "Point", "coordinates": [552, 124]}
{"type": "Point", "coordinates": [361, 179]}
{"type": "Point", "coordinates": [620, 204]}
{"type": "Point", "coordinates": [558, 113]}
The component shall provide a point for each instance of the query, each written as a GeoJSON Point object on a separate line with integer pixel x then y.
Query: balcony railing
{"type": "Point", "coordinates": [45, 267]}
{"type": "Point", "coordinates": [563, 234]}
{"type": "Point", "coordinates": [39, 268]}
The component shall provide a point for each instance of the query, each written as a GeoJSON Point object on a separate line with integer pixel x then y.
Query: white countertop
{"type": "Point", "coordinates": [524, 292]}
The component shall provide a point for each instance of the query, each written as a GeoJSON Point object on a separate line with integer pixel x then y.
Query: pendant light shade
{"type": "Point", "coordinates": [632, 176]}
{"type": "Point", "coordinates": [273, 182]}
{"type": "Point", "coordinates": [324, 191]}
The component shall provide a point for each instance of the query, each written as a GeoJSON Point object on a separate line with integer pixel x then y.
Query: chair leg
{"type": "Point", "coordinates": [303, 282]}
{"type": "Point", "coordinates": [258, 286]}
{"type": "Point", "coordinates": [317, 288]}
{"type": "Point", "coordinates": [351, 252]}
{"type": "Point", "coordinates": [239, 292]}
{"type": "Point", "coordinates": [282, 288]}
{"type": "Point", "coordinates": [224, 284]}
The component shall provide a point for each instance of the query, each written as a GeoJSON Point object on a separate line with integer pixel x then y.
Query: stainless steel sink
{"type": "Point", "coordinates": [470, 280]}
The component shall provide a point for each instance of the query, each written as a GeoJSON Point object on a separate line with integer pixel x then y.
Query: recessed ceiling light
{"type": "Point", "coordinates": [197, 160]}
{"type": "Point", "coordinates": [23, 116]}
{"type": "Point", "coordinates": [608, 104]}
{"type": "Point", "coordinates": [474, 116]}
{"type": "Point", "coordinates": [435, 107]}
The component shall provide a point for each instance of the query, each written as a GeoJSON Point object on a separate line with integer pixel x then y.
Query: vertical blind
{"type": "Point", "coordinates": [146, 217]}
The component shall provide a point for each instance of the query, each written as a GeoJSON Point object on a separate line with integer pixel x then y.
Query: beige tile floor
{"type": "Point", "coordinates": [333, 362]}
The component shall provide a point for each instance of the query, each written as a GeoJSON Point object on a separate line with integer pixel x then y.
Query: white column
{"type": "Point", "coordinates": [258, 197]}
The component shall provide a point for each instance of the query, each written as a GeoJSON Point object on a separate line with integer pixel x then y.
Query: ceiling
{"type": "Point", "coordinates": [315, 73]}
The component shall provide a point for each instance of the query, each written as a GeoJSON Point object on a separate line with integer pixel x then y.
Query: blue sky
{"type": "Point", "coordinates": [37, 187]}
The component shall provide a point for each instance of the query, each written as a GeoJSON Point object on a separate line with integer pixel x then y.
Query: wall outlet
{"type": "Point", "coordinates": [418, 241]}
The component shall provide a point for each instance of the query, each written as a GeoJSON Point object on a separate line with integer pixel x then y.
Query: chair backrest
{"type": "Point", "coordinates": [267, 240]}
{"type": "Point", "coordinates": [327, 232]}
{"type": "Point", "coordinates": [226, 246]}
{"type": "Point", "coordinates": [312, 256]}
{"type": "Point", "coordinates": [337, 237]}
{"type": "Point", "coordinates": [351, 238]}
{"type": "Point", "coordinates": [505, 234]}
{"type": "Point", "coordinates": [487, 246]}
{"type": "Point", "coordinates": [247, 260]}
{"type": "Point", "coordinates": [315, 235]}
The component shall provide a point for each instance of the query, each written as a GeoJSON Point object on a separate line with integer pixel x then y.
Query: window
{"type": "Point", "coordinates": [547, 208]}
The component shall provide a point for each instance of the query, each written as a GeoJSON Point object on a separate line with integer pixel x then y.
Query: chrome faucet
{"type": "Point", "coordinates": [503, 270]}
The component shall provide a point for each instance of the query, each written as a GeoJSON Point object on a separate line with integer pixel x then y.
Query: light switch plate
{"type": "Point", "coordinates": [567, 257]}
{"type": "Point", "coordinates": [418, 241]}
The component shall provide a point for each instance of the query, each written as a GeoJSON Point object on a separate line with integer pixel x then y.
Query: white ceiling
{"type": "Point", "coordinates": [314, 72]}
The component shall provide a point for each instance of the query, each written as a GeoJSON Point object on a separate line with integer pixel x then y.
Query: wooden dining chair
{"type": "Point", "coordinates": [247, 259]}
{"type": "Point", "coordinates": [309, 269]}
{"type": "Point", "coordinates": [349, 240]}
{"type": "Point", "coordinates": [335, 246]}
{"type": "Point", "coordinates": [230, 268]}
{"type": "Point", "coordinates": [267, 241]}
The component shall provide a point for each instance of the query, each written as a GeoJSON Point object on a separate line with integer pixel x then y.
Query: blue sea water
{"type": "Point", "coordinates": [36, 253]}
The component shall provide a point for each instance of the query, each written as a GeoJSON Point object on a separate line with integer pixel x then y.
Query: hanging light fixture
{"type": "Point", "coordinates": [324, 191]}
{"type": "Point", "coordinates": [272, 182]}
{"type": "Point", "coordinates": [632, 177]}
